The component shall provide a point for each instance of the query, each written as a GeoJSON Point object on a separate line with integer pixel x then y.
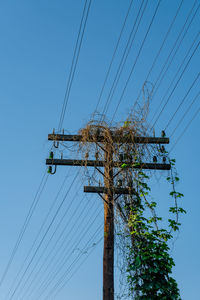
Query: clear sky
{"type": "Point", "coordinates": [37, 40]}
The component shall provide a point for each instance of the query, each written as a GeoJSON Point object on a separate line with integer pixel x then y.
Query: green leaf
{"type": "Point", "coordinates": [124, 166]}
{"type": "Point", "coordinates": [173, 160]}
{"type": "Point", "coordinates": [179, 195]}
{"type": "Point", "coordinates": [137, 261]}
{"type": "Point", "coordinates": [172, 193]}
{"type": "Point", "coordinates": [181, 210]}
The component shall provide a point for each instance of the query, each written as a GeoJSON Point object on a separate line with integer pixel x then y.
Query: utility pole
{"type": "Point", "coordinates": [108, 254]}
{"type": "Point", "coordinates": [109, 193]}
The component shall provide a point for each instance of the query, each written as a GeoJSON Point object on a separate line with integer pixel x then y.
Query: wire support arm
{"type": "Point", "coordinates": [115, 137]}
{"type": "Point", "coordinates": [104, 190]}
{"type": "Point", "coordinates": [116, 164]}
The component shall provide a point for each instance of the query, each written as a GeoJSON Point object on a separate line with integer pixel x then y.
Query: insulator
{"type": "Point", "coordinates": [51, 155]}
{"type": "Point", "coordinates": [61, 156]}
{"type": "Point", "coordinates": [49, 170]}
{"type": "Point", "coordinates": [86, 155]}
{"type": "Point", "coordinates": [164, 159]}
{"type": "Point", "coordinates": [154, 159]}
{"type": "Point", "coordinates": [163, 133]}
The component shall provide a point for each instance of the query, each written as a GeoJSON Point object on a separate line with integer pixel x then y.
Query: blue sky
{"type": "Point", "coordinates": [37, 43]}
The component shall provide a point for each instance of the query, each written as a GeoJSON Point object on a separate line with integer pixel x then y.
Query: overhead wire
{"type": "Point", "coordinates": [36, 199]}
{"type": "Point", "coordinates": [114, 54]}
{"type": "Point", "coordinates": [176, 50]}
{"type": "Point", "coordinates": [58, 267]}
{"type": "Point", "coordinates": [39, 232]}
{"type": "Point", "coordinates": [75, 59]}
{"type": "Point", "coordinates": [61, 262]}
{"type": "Point", "coordinates": [50, 239]}
{"type": "Point", "coordinates": [176, 74]}
{"type": "Point", "coordinates": [45, 234]}
{"type": "Point", "coordinates": [25, 225]}
{"type": "Point", "coordinates": [75, 271]}
{"type": "Point", "coordinates": [184, 115]}
{"type": "Point", "coordinates": [53, 275]}
{"type": "Point", "coordinates": [135, 62]}
{"type": "Point", "coordinates": [161, 47]}
{"type": "Point", "coordinates": [162, 73]}
{"type": "Point", "coordinates": [125, 55]}
{"type": "Point", "coordinates": [185, 129]}
{"type": "Point", "coordinates": [62, 278]}
{"type": "Point", "coordinates": [68, 232]}
{"type": "Point", "coordinates": [183, 100]}
{"type": "Point", "coordinates": [176, 84]}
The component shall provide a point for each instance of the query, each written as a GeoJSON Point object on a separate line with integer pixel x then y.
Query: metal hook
{"type": "Point", "coordinates": [56, 144]}
{"type": "Point", "coordinates": [50, 170]}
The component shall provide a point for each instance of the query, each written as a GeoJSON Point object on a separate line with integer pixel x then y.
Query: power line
{"type": "Point", "coordinates": [161, 47]}
{"type": "Point", "coordinates": [176, 84]}
{"type": "Point", "coordinates": [35, 201]}
{"type": "Point", "coordinates": [185, 129]}
{"type": "Point", "coordinates": [69, 84]}
{"type": "Point", "coordinates": [186, 112]}
{"type": "Point", "coordinates": [114, 53]}
{"type": "Point", "coordinates": [61, 261]}
{"type": "Point", "coordinates": [125, 55]}
{"type": "Point", "coordinates": [39, 232]}
{"type": "Point", "coordinates": [53, 234]}
{"type": "Point", "coordinates": [62, 278]}
{"type": "Point", "coordinates": [25, 225]}
{"type": "Point", "coordinates": [75, 60]}
{"type": "Point", "coordinates": [68, 233]}
{"type": "Point", "coordinates": [75, 271]}
{"type": "Point", "coordinates": [183, 100]}
{"type": "Point", "coordinates": [176, 74]}
{"type": "Point", "coordinates": [175, 47]}
{"type": "Point", "coordinates": [46, 232]}
{"type": "Point", "coordinates": [60, 265]}
{"type": "Point", "coordinates": [55, 244]}
{"type": "Point", "coordinates": [133, 67]}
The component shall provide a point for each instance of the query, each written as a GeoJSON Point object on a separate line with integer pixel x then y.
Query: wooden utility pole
{"type": "Point", "coordinates": [109, 190]}
{"type": "Point", "coordinates": [108, 254]}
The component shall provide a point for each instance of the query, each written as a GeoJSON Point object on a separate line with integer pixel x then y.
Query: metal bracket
{"type": "Point", "coordinates": [103, 198]}
{"type": "Point", "coordinates": [50, 170]}
{"type": "Point", "coordinates": [55, 144]}
{"type": "Point", "coordinates": [100, 171]}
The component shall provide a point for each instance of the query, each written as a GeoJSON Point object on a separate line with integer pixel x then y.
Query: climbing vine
{"type": "Point", "coordinates": [149, 262]}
